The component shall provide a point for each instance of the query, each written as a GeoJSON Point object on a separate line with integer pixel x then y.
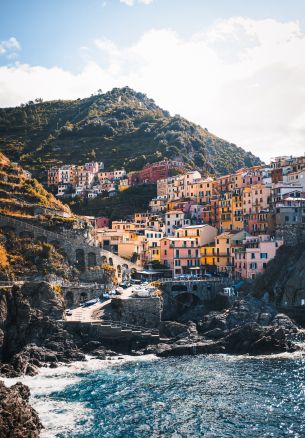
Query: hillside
{"type": "Point", "coordinates": [20, 194]}
{"type": "Point", "coordinates": [121, 128]}
{"type": "Point", "coordinates": [126, 203]}
{"type": "Point", "coordinates": [24, 198]}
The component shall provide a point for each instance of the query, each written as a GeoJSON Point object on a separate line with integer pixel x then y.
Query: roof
{"type": "Point", "coordinates": [194, 226]}
{"type": "Point", "coordinates": [174, 211]}
{"type": "Point", "coordinates": [178, 238]}
{"type": "Point", "coordinates": [230, 233]}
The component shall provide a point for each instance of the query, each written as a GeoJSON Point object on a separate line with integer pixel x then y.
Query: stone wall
{"type": "Point", "coordinates": [74, 295]}
{"type": "Point", "coordinates": [190, 300]}
{"type": "Point", "coordinates": [144, 312]}
{"type": "Point", "coordinates": [291, 234]}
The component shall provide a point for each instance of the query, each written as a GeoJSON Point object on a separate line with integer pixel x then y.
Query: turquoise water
{"type": "Point", "coordinates": [212, 396]}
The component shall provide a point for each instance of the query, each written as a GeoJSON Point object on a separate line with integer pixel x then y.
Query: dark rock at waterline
{"type": "Point", "coordinates": [172, 329]}
{"type": "Point", "coordinates": [283, 321]}
{"type": "Point", "coordinates": [17, 418]}
{"type": "Point", "coordinates": [251, 339]}
{"type": "Point", "coordinates": [248, 310]}
{"type": "Point", "coordinates": [215, 333]}
{"type": "Point", "coordinates": [254, 339]}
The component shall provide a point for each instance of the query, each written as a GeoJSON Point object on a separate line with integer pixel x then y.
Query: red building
{"type": "Point", "coordinates": [151, 173]}
{"type": "Point", "coordinates": [101, 222]}
{"type": "Point", "coordinates": [210, 213]}
{"type": "Point", "coordinates": [258, 223]}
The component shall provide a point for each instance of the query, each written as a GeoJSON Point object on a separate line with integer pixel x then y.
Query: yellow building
{"type": "Point", "coordinates": [152, 245]}
{"type": "Point", "coordinates": [225, 211]}
{"type": "Point", "coordinates": [123, 185]}
{"type": "Point", "coordinates": [237, 211]}
{"type": "Point", "coordinates": [204, 233]}
{"type": "Point", "coordinates": [131, 244]}
{"type": "Point", "coordinates": [202, 191]}
{"type": "Point", "coordinates": [208, 256]}
{"type": "Point", "coordinates": [225, 245]}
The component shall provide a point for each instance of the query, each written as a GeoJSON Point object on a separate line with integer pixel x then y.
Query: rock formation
{"type": "Point", "coordinates": [284, 279]}
{"type": "Point", "coordinates": [31, 333]}
{"type": "Point", "coordinates": [17, 418]}
{"type": "Point", "coordinates": [250, 326]}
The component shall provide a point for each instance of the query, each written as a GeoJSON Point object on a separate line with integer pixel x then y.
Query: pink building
{"type": "Point", "coordinates": [256, 252]}
{"type": "Point", "coordinates": [181, 255]}
{"type": "Point", "coordinates": [251, 178]}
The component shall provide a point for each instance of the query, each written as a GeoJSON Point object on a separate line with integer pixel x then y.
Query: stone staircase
{"type": "Point", "coordinates": [128, 328]}
{"type": "Point", "coordinates": [113, 330]}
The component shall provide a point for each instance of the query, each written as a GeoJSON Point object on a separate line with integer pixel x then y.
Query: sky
{"type": "Point", "coordinates": [236, 67]}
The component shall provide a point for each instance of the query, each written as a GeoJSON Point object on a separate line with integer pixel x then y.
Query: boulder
{"type": "Point", "coordinates": [254, 339]}
{"type": "Point", "coordinates": [283, 321]}
{"type": "Point", "coordinates": [172, 329]}
{"type": "Point", "coordinates": [17, 418]}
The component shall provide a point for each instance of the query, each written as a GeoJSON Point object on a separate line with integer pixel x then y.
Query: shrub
{"type": "Point", "coordinates": [4, 263]}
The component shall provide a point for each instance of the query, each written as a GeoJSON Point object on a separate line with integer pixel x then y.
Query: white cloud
{"type": "Point", "coordinates": [133, 2]}
{"type": "Point", "coordinates": [243, 79]}
{"type": "Point", "coordinates": [9, 46]}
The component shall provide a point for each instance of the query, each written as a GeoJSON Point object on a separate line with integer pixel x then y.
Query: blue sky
{"type": "Point", "coordinates": [234, 66]}
{"type": "Point", "coordinates": [52, 32]}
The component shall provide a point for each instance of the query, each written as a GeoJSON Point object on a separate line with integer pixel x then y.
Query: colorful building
{"type": "Point", "coordinates": [181, 255]}
{"type": "Point", "coordinates": [252, 258]}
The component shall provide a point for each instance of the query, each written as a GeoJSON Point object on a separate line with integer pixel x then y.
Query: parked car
{"type": "Point", "coordinates": [207, 275]}
{"type": "Point", "coordinates": [90, 302]}
{"type": "Point", "coordinates": [68, 312]}
{"type": "Point", "coordinates": [124, 285]}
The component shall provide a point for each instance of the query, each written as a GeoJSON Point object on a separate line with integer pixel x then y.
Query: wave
{"type": "Point", "coordinates": [60, 417]}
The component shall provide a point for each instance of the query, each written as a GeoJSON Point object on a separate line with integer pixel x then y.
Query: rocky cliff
{"type": "Point", "coordinates": [283, 282]}
{"type": "Point", "coordinates": [30, 331]}
{"type": "Point", "coordinates": [249, 326]}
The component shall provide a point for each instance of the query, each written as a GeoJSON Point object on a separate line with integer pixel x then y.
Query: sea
{"type": "Point", "coordinates": [192, 396]}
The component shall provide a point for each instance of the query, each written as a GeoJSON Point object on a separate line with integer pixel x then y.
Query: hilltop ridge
{"type": "Point", "coordinates": [121, 128]}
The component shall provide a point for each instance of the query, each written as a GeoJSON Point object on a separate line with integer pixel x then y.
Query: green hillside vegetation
{"type": "Point", "coordinates": [21, 256]}
{"type": "Point", "coordinates": [135, 199]}
{"type": "Point", "coordinates": [121, 128]}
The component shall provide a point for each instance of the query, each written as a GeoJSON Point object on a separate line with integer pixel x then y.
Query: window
{"type": "Point", "coordinates": [252, 255]}
{"type": "Point", "coordinates": [264, 255]}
